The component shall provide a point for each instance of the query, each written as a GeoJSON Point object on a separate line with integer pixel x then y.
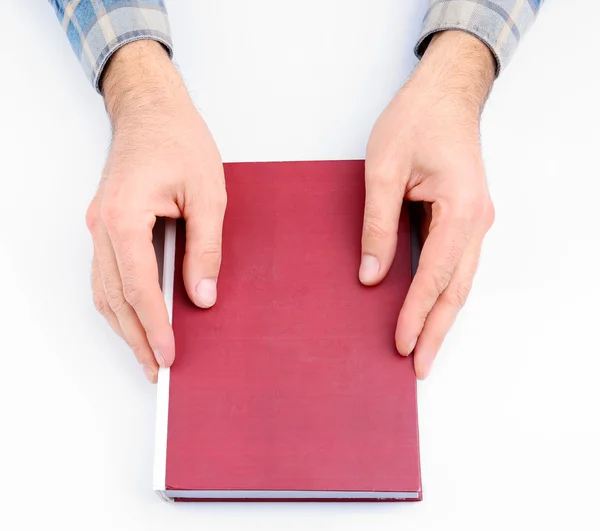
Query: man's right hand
{"type": "Point", "coordinates": [163, 162]}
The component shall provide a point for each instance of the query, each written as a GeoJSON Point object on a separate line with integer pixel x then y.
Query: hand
{"type": "Point", "coordinates": [425, 147]}
{"type": "Point", "coordinates": [163, 162]}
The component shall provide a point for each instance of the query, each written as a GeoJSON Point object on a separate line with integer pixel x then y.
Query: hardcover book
{"type": "Point", "coordinates": [290, 387]}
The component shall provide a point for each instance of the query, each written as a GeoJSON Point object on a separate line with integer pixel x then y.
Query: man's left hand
{"type": "Point", "coordinates": [425, 147]}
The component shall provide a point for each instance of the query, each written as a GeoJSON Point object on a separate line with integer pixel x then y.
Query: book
{"type": "Point", "coordinates": [290, 387]}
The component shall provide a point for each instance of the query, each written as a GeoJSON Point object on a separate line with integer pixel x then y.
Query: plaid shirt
{"type": "Point", "coordinates": [97, 28]}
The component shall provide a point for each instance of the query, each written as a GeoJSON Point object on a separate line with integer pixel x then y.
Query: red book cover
{"type": "Point", "coordinates": [290, 387]}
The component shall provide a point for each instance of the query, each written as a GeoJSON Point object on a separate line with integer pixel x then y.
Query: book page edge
{"type": "Point", "coordinates": [162, 386]}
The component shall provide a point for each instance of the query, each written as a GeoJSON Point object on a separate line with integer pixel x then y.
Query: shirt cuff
{"type": "Point", "coordinates": [500, 23]}
{"type": "Point", "coordinates": [98, 29]}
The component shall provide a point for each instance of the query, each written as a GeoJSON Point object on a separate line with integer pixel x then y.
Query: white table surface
{"type": "Point", "coordinates": [510, 423]}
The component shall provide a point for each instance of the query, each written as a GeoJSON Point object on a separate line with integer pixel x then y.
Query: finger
{"type": "Point", "coordinates": [131, 238]}
{"type": "Point", "coordinates": [100, 301]}
{"type": "Point", "coordinates": [442, 316]}
{"type": "Point", "coordinates": [440, 255]}
{"type": "Point", "coordinates": [133, 331]}
{"type": "Point", "coordinates": [204, 214]}
{"type": "Point", "coordinates": [383, 202]}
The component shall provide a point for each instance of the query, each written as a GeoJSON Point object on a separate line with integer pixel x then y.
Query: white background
{"type": "Point", "coordinates": [510, 423]}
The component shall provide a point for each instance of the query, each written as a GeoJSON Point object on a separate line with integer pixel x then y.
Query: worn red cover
{"type": "Point", "coordinates": [292, 381]}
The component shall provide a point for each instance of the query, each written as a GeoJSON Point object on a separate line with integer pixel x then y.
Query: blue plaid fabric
{"type": "Point", "coordinates": [97, 28]}
{"type": "Point", "coordinates": [499, 23]}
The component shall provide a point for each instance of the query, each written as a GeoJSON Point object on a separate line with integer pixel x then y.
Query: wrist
{"type": "Point", "coordinates": [139, 80]}
{"type": "Point", "coordinates": [458, 66]}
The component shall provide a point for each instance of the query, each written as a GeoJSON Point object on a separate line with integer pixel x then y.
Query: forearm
{"type": "Point", "coordinates": [140, 79]}
{"type": "Point", "coordinates": [500, 24]}
{"type": "Point", "coordinates": [456, 66]}
{"type": "Point", "coordinates": [98, 28]}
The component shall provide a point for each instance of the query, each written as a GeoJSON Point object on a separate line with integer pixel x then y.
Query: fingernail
{"type": "Point", "coordinates": [369, 268]}
{"type": "Point", "coordinates": [160, 359]}
{"type": "Point", "coordinates": [425, 371]}
{"type": "Point", "coordinates": [412, 346]}
{"type": "Point", "coordinates": [206, 291]}
{"type": "Point", "coordinates": [149, 373]}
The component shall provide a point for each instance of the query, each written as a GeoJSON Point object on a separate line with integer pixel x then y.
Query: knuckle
{"type": "Point", "coordinates": [211, 244]}
{"type": "Point", "coordinates": [100, 302]}
{"type": "Point", "coordinates": [489, 215]}
{"type": "Point", "coordinates": [212, 250]}
{"type": "Point", "coordinates": [117, 303]}
{"type": "Point", "coordinates": [468, 209]}
{"type": "Point", "coordinates": [459, 295]}
{"type": "Point", "coordinates": [441, 279]}
{"type": "Point", "coordinates": [110, 215]}
{"type": "Point", "coordinates": [210, 255]}
{"type": "Point", "coordinates": [92, 218]}
{"type": "Point", "coordinates": [381, 174]}
{"type": "Point", "coordinates": [476, 208]}
{"type": "Point", "coordinates": [132, 293]}
{"type": "Point", "coordinates": [373, 229]}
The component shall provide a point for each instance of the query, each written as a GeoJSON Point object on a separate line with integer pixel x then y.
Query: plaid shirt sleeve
{"type": "Point", "coordinates": [498, 23]}
{"type": "Point", "coordinates": [98, 28]}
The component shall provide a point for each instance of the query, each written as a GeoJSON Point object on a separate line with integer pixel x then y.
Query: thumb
{"type": "Point", "coordinates": [204, 228]}
{"type": "Point", "coordinates": [383, 202]}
